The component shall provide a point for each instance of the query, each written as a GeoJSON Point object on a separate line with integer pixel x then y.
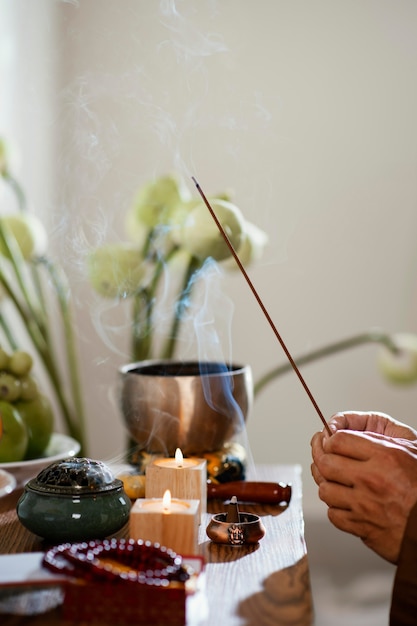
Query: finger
{"type": "Point", "coordinates": [349, 521]}
{"type": "Point", "coordinates": [376, 439]}
{"type": "Point", "coordinates": [317, 438]}
{"type": "Point", "coordinates": [389, 440]}
{"type": "Point", "coordinates": [359, 446]}
{"type": "Point", "coordinates": [359, 421]}
{"type": "Point", "coordinates": [338, 469]}
{"type": "Point", "coordinates": [335, 495]}
{"type": "Point", "coordinates": [317, 446]}
{"type": "Point", "coordinates": [371, 421]}
{"type": "Point", "coordinates": [342, 519]}
{"type": "Point", "coordinates": [318, 478]}
{"type": "Point", "coordinates": [344, 421]}
{"type": "Point", "coordinates": [383, 542]}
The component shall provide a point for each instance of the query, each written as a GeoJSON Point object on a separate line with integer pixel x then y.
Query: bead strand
{"type": "Point", "coordinates": [140, 561]}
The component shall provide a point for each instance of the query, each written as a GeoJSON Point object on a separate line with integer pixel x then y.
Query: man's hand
{"type": "Point", "coordinates": [368, 477]}
{"type": "Point", "coordinates": [378, 423]}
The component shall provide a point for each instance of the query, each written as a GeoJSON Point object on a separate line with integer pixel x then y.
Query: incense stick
{"type": "Point", "coordinates": [261, 304]}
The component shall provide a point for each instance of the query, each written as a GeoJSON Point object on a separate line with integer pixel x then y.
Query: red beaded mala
{"type": "Point", "coordinates": [122, 560]}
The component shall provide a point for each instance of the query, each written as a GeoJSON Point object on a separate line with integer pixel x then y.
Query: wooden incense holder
{"type": "Point", "coordinates": [246, 491]}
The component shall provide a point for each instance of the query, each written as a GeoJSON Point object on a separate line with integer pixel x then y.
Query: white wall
{"type": "Point", "coordinates": [306, 109]}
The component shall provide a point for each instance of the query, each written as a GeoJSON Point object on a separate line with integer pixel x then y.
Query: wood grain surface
{"type": "Point", "coordinates": [260, 585]}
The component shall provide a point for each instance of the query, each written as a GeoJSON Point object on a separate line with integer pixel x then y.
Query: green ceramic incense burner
{"type": "Point", "coordinates": [76, 499]}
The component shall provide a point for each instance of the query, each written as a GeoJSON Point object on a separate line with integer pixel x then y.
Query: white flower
{"type": "Point", "coordinates": [253, 244]}
{"type": "Point", "coordinates": [399, 367]}
{"type": "Point", "coordinates": [116, 270]}
{"type": "Point", "coordinates": [200, 235]}
{"type": "Point", "coordinates": [156, 200]}
{"type": "Point", "coordinates": [29, 233]}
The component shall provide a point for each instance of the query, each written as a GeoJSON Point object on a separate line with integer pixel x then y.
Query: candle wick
{"type": "Point", "coordinates": [261, 304]}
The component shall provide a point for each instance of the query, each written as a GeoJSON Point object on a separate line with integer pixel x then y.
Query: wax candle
{"type": "Point", "coordinates": [171, 522]}
{"type": "Point", "coordinates": [186, 478]}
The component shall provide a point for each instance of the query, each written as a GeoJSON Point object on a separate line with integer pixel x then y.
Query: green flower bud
{"type": "Point", "coordinates": [116, 270]}
{"type": "Point", "coordinates": [156, 200]}
{"type": "Point", "coordinates": [399, 367]}
{"type": "Point", "coordinates": [177, 218]}
{"type": "Point", "coordinates": [225, 195]}
{"type": "Point", "coordinates": [251, 248]}
{"type": "Point", "coordinates": [135, 230]}
{"type": "Point", "coordinates": [200, 235]}
{"type": "Point", "coordinates": [29, 233]}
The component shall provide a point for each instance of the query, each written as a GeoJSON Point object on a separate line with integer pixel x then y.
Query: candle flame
{"type": "Point", "coordinates": [179, 458]}
{"type": "Point", "coordinates": [166, 500]}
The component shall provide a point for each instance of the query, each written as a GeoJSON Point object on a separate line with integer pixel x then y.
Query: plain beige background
{"type": "Point", "coordinates": [306, 109]}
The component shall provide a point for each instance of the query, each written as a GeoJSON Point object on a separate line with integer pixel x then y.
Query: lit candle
{"type": "Point", "coordinates": [186, 478]}
{"type": "Point", "coordinates": [171, 522]}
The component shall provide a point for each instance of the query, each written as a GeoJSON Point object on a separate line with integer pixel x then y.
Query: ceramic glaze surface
{"type": "Point", "coordinates": [75, 475]}
{"type": "Point", "coordinates": [74, 500]}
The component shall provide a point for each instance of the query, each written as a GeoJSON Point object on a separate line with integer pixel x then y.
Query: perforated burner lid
{"type": "Point", "coordinates": [75, 475]}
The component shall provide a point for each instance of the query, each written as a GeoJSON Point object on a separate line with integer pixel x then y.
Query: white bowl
{"type": "Point", "coordinates": [60, 447]}
{"type": "Point", "coordinates": [7, 483]}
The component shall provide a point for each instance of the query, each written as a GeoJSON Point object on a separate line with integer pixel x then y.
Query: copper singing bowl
{"type": "Point", "coordinates": [194, 406]}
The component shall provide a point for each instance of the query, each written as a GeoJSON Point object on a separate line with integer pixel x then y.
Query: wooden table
{"type": "Point", "coordinates": [261, 585]}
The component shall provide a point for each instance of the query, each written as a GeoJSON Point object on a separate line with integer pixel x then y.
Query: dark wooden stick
{"type": "Point", "coordinates": [261, 304]}
{"type": "Point", "coordinates": [250, 491]}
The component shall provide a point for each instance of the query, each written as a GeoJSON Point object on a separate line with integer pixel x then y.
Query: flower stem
{"type": "Point", "coordinates": [22, 206]}
{"type": "Point", "coordinates": [8, 333]}
{"type": "Point", "coordinates": [30, 305]}
{"type": "Point", "coordinates": [17, 263]}
{"type": "Point", "coordinates": [141, 340]}
{"type": "Point", "coordinates": [170, 345]}
{"type": "Point", "coordinates": [62, 291]}
{"type": "Point", "coordinates": [372, 336]}
{"type": "Point", "coordinates": [17, 189]}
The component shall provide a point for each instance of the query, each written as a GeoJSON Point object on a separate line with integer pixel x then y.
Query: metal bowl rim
{"type": "Point", "coordinates": [130, 368]}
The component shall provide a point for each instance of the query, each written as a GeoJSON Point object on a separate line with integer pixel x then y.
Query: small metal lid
{"type": "Point", "coordinates": [75, 475]}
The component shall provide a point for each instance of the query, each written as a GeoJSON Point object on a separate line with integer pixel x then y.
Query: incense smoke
{"type": "Point", "coordinates": [158, 100]}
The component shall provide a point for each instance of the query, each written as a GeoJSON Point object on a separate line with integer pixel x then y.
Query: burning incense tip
{"type": "Point", "coordinates": [261, 304]}
{"type": "Point", "coordinates": [232, 516]}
